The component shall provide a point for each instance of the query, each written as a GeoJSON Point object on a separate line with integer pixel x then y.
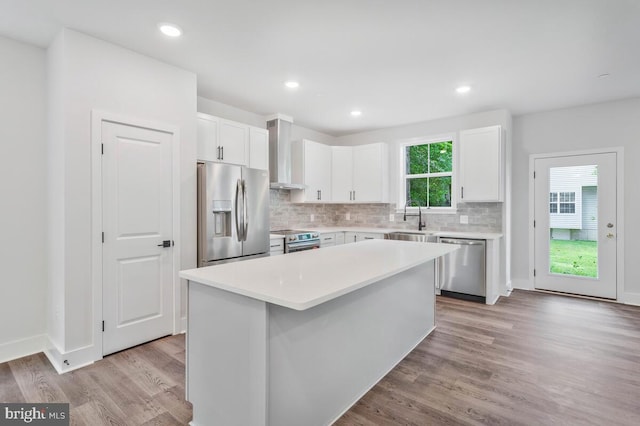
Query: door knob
{"type": "Point", "coordinates": [609, 225]}
{"type": "Point", "coordinates": [166, 243]}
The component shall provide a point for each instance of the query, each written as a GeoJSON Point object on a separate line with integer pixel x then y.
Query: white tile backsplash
{"type": "Point", "coordinates": [482, 217]}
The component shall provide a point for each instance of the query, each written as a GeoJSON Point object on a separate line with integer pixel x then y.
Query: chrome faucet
{"type": "Point", "coordinates": [421, 225]}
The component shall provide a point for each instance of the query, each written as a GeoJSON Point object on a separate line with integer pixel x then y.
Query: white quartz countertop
{"type": "Point", "coordinates": [452, 234]}
{"type": "Point", "coordinates": [308, 278]}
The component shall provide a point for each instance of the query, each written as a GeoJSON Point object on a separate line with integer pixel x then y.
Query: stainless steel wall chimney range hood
{"type": "Point", "coordinates": [280, 153]}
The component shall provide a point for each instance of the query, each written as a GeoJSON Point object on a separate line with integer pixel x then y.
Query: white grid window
{"type": "Point", "coordinates": [427, 174]}
{"type": "Point", "coordinates": [562, 202]}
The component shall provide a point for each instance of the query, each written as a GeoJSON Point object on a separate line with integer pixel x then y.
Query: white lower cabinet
{"type": "Point", "coordinates": [327, 240]}
{"type": "Point", "coordinates": [355, 237]}
{"type": "Point", "coordinates": [276, 246]}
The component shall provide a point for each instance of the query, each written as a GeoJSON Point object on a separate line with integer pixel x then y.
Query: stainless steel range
{"type": "Point", "coordinates": [297, 240]}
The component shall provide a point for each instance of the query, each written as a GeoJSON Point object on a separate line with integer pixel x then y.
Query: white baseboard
{"type": "Point", "coordinates": [22, 347]}
{"type": "Point", "coordinates": [522, 284]}
{"type": "Point", "coordinates": [631, 299]}
{"type": "Point", "coordinates": [183, 325]}
{"type": "Point", "coordinates": [506, 290]}
{"type": "Point", "coordinates": [69, 361]}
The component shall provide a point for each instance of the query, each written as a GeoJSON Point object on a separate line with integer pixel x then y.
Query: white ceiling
{"type": "Point", "coordinates": [398, 61]}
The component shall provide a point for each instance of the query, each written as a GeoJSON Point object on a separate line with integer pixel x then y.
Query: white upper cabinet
{"type": "Point", "coordinates": [342, 173]}
{"type": "Point", "coordinates": [370, 173]}
{"type": "Point", "coordinates": [481, 165]}
{"type": "Point", "coordinates": [227, 141]}
{"type": "Point", "coordinates": [208, 127]}
{"type": "Point", "coordinates": [258, 148]}
{"type": "Point", "coordinates": [311, 166]}
{"type": "Point", "coordinates": [360, 173]}
{"type": "Point", "coordinates": [233, 142]}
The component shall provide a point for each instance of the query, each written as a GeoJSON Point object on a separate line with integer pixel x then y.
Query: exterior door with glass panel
{"type": "Point", "coordinates": [575, 224]}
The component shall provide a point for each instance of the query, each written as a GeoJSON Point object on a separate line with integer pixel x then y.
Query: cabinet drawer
{"type": "Point", "coordinates": [327, 240]}
{"type": "Point", "coordinates": [276, 245]}
{"type": "Point", "coordinates": [362, 236]}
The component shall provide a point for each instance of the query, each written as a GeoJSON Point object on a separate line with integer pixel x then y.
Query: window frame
{"type": "Point", "coordinates": [402, 173]}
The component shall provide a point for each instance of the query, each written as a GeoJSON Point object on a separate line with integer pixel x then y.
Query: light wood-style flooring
{"type": "Point", "coordinates": [532, 359]}
{"type": "Point", "coordinates": [140, 386]}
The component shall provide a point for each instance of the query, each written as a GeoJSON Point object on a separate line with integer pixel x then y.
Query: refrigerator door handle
{"type": "Point", "coordinates": [202, 213]}
{"type": "Point", "coordinates": [245, 211]}
{"type": "Point", "coordinates": [237, 219]}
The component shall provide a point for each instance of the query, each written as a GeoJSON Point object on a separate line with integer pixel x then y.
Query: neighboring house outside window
{"type": "Point", "coordinates": [562, 202]}
{"type": "Point", "coordinates": [427, 174]}
{"type": "Point", "coordinates": [573, 202]}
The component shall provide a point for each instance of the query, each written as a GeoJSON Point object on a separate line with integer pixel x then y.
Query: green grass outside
{"type": "Point", "coordinates": [574, 258]}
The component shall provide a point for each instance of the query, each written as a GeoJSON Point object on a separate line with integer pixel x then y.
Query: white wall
{"type": "Point", "coordinates": [612, 124]}
{"type": "Point", "coordinates": [218, 109]}
{"type": "Point", "coordinates": [443, 126]}
{"type": "Point", "coordinates": [209, 106]}
{"type": "Point", "coordinates": [23, 212]}
{"type": "Point", "coordinates": [93, 74]}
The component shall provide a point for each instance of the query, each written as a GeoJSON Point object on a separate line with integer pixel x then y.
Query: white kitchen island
{"type": "Point", "coordinates": [297, 339]}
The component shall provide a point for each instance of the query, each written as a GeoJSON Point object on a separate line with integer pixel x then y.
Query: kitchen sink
{"type": "Point", "coordinates": [420, 237]}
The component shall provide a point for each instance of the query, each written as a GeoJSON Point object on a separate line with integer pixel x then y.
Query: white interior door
{"type": "Point", "coordinates": [575, 224]}
{"type": "Point", "coordinates": [137, 217]}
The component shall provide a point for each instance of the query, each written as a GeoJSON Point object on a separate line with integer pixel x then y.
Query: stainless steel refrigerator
{"type": "Point", "coordinates": [233, 213]}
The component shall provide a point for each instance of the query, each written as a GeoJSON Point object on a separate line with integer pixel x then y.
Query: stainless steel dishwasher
{"type": "Point", "coordinates": [462, 272]}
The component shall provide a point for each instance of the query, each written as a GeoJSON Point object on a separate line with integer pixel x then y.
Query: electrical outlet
{"type": "Point", "coordinates": [313, 218]}
{"type": "Point", "coordinates": [348, 216]}
{"type": "Point", "coordinates": [464, 219]}
{"type": "Point", "coordinates": [392, 217]}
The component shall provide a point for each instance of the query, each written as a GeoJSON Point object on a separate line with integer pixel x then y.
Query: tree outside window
{"type": "Point", "coordinates": [428, 173]}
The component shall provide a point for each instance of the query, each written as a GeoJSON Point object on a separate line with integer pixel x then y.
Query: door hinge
{"type": "Point", "coordinates": [102, 148]}
{"type": "Point", "coordinates": [103, 326]}
{"type": "Point", "coordinates": [103, 238]}
{"type": "Point", "coordinates": [534, 175]}
{"type": "Point", "coordinates": [534, 272]}
{"type": "Point", "coordinates": [534, 223]}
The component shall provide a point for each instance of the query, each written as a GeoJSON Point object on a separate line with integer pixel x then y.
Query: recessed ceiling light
{"type": "Point", "coordinates": [292, 84]}
{"type": "Point", "coordinates": [463, 89]}
{"type": "Point", "coordinates": [356, 113]}
{"type": "Point", "coordinates": [170, 30]}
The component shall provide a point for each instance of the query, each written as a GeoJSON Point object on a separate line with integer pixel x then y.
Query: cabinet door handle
{"type": "Point", "coordinates": [354, 195]}
{"type": "Point", "coordinates": [318, 194]}
{"type": "Point", "coordinates": [218, 156]}
{"type": "Point", "coordinates": [222, 153]}
{"type": "Point", "coordinates": [462, 192]}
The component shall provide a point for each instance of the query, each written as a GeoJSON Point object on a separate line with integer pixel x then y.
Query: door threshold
{"type": "Point", "coordinates": [578, 296]}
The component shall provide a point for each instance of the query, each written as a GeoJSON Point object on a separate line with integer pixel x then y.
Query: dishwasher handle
{"type": "Point", "coordinates": [461, 242]}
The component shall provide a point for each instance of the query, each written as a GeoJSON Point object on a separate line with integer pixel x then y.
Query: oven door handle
{"type": "Point", "coordinates": [303, 245]}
